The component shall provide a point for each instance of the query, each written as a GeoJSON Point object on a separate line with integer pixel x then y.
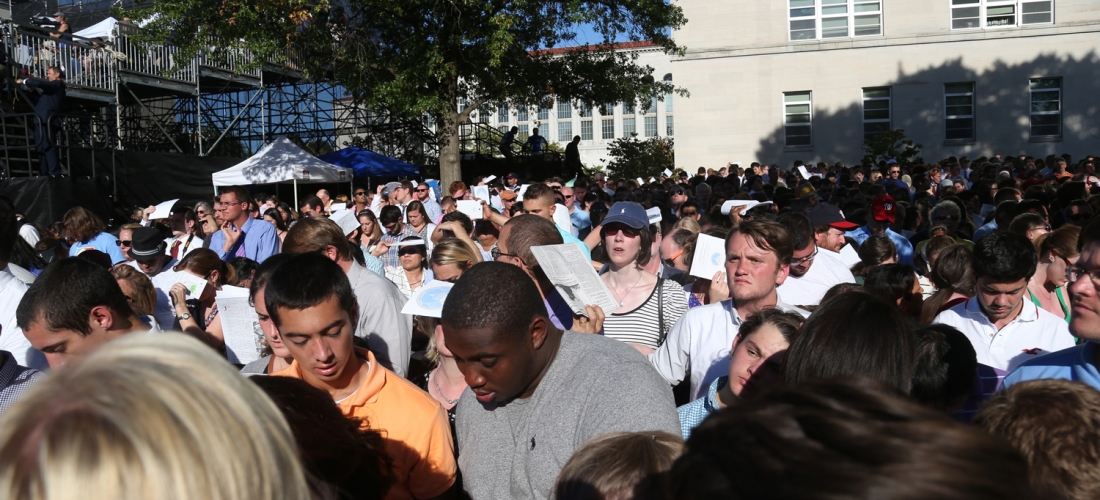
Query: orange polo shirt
{"type": "Point", "coordinates": [415, 426]}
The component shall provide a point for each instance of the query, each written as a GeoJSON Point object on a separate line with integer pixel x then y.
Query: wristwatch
{"type": "Point", "coordinates": [184, 316]}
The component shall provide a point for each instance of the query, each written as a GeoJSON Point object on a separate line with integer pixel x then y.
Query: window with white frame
{"type": "Point", "coordinates": [628, 108]}
{"type": "Point", "coordinates": [823, 19]}
{"type": "Point", "coordinates": [976, 14]}
{"type": "Point", "coordinates": [521, 114]}
{"type": "Point", "coordinates": [544, 112]}
{"type": "Point", "coordinates": [565, 131]}
{"type": "Point", "coordinates": [629, 127]}
{"type": "Point", "coordinates": [668, 125]}
{"type": "Point", "coordinates": [586, 110]}
{"type": "Point", "coordinates": [565, 110]}
{"type": "Point", "coordinates": [502, 114]}
{"type": "Point", "coordinates": [1046, 107]}
{"type": "Point", "coordinates": [608, 128]}
{"type": "Point", "coordinates": [798, 118]}
{"type": "Point", "coordinates": [958, 100]}
{"type": "Point", "coordinates": [483, 114]}
{"type": "Point", "coordinates": [876, 111]}
{"type": "Point", "coordinates": [523, 131]}
{"type": "Point", "coordinates": [651, 126]}
{"type": "Point", "coordinates": [586, 130]}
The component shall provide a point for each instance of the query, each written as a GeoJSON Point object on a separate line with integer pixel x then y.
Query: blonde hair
{"type": "Point", "coordinates": [148, 417]}
{"type": "Point", "coordinates": [144, 299]}
{"type": "Point", "coordinates": [687, 223]}
{"type": "Point", "coordinates": [611, 466]}
{"type": "Point", "coordinates": [453, 251]}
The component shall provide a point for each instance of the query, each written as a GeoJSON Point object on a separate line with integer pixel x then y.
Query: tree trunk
{"type": "Point", "coordinates": [450, 158]}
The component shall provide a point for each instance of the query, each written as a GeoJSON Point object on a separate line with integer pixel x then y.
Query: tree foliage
{"type": "Point", "coordinates": [417, 57]}
{"type": "Point", "coordinates": [891, 144]}
{"type": "Point", "coordinates": [632, 158]}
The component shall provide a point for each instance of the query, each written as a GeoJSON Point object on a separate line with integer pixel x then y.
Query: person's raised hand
{"type": "Point", "coordinates": [486, 211]}
{"type": "Point", "coordinates": [591, 322]}
{"type": "Point", "coordinates": [380, 249]}
{"type": "Point", "coordinates": [178, 294]}
{"type": "Point", "coordinates": [735, 215]}
{"type": "Point", "coordinates": [719, 288]}
{"type": "Point", "coordinates": [232, 234]}
{"type": "Point", "coordinates": [147, 212]}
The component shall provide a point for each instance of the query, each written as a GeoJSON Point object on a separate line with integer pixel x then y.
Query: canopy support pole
{"type": "Point", "coordinates": [296, 205]}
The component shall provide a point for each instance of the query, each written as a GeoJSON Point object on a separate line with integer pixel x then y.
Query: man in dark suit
{"type": "Point", "coordinates": [49, 104]}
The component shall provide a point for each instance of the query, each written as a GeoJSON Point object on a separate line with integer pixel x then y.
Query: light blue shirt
{"type": "Point", "coordinates": [103, 242]}
{"type": "Point", "coordinates": [1078, 363]}
{"type": "Point", "coordinates": [984, 230]}
{"type": "Point", "coordinates": [568, 237]}
{"type": "Point", "coordinates": [580, 219]}
{"type": "Point", "coordinates": [905, 249]}
{"type": "Point", "coordinates": [693, 413]}
{"type": "Point", "coordinates": [435, 212]}
{"type": "Point", "coordinates": [259, 238]}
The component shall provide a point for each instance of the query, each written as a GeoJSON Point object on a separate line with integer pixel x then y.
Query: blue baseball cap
{"type": "Point", "coordinates": [629, 213]}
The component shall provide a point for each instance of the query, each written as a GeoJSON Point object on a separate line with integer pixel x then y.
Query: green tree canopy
{"type": "Point", "coordinates": [417, 57]}
{"type": "Point", "coordinates": [632, 158]}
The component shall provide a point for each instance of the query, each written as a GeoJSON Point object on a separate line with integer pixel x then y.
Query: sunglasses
{"type": "Point", "coordinates": [627, 231]}
{"type": "Point", "coordinates": [421, 190]}
{"type": "Point", "coordinates": [124, 243]}
{"type": "Point", "coordinates": [671, 261]}
{"type": "Point", "coordinates": [496, 254]}
{"type": "Point", "coordinates": [360, 193]}
{"type": "Point", "coordinates": [407, 252]}
{"type": "Point", "coordinates": [795, 262]}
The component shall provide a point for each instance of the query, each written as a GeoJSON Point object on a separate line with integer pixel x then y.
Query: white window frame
{"type": "Point", "coordinates": [565, 131]}
{"type": "Point", "coordinates": [668, 126]}
{"type": "Point", "coordinates": [889, 110]}
{"type": "Point", "coordinates": [1021, 9]}
{"type": "Point", "coordinates": [651, 126]}
{"type": "Point", "coordinates": [854, 10]}
{"type": "Point", "coordinates": [502, 114]}
{"type": "Point", "coordinates": [604, 128]}
{"type": "Point", "coordinates": [565, 110]}
{"type": "Point", "coordinates": [809, 101]}
{"type": "Point", "coordinates": [629, 132]}
{"type": "Point", "coordinates": [949, 116]}
{"type": "Point", "coordinates": [1031, 106]}
{"type": "Point", "coordinates": [522, 114]}
{"type": "Point", "coordinates": [586, 130]}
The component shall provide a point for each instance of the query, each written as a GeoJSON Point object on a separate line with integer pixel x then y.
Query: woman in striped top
{"type": "Point", "coordinates": [648, 306]}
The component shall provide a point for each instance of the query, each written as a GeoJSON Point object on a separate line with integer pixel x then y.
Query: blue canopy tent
{"type": "Point", "coordinates": [370, 164]}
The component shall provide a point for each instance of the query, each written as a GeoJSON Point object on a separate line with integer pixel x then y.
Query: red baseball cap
{"type": "Point", "coordinates": [883, 208]}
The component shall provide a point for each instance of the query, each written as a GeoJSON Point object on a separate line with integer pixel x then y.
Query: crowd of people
{"type": "Point", "coordinates": [868, 331]}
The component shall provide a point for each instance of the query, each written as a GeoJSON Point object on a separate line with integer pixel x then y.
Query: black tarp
{"type": "Point", "coordinates": [44, 200]}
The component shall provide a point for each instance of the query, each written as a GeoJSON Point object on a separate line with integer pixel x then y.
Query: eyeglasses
{"type": "Point", "coordinates": [1074, 273]}
{"type": "Point", "coordinates": [124, 243]}
{"type": "Point", "coordinates": [418, 190]}
{"type": "Point", "coordinates": [627, 231]}
{"type": "Point", "coordinates": [671, 261]}
{"type": "Point", "coordinates": [944, 218]}
{"type": "Point", "coordinates": [795, 262]}
{"type": "Point", "coordinates": [1046, 228]}
{"type": "Point", "coordinates": [496, 254]}
{"type": "Point", "coordinates": [360, 193]}
{"type": "Point", "coordinates": [895, 172]}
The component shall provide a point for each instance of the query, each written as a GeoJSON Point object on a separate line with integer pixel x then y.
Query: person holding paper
{"type": "Point", "coordinates": [197, 312]}
{"type": "Point", "coordinates": [648, 305]}
{"type": "Point", "coordinates": [311, 302]}
{"type": "Point", "coordinates": [395, 230]}
{"type": "Point", "coordinates": [66, 327]}
{"type": "Point", "coordinates": [414, 272]}
{"type": "Point", "coordinates": [758, 259]}
{"type": "Point", "coordinates": [241, 235]}
{"type": "Point", "coordinates": [388, 333]}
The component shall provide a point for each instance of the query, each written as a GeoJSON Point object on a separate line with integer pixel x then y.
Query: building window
{"type": "Point", "coordinates": [544, 112]}
{"type": "Point", "coordinates": [797, 118]}
{"type": "Point", "coordinates": [820, 19]}
{"type": "Point", "coordinates": [651, 126]}
{"type": "Point", "coordinates": [876, 111]}
{"type": "Point", "coordinates": [503, 128]}
{"type": "Point", "coordinates": [628, 108]}
{"type": "Point", "coordinates": [565, 110]}
{"type": "Point", "coordinates": [502, 114]}
{"type": "Point", "coordinates": [668, 126]}
{"type": "Point", "coordinates": [958, 99]}
{"type": "Point", "coordinates": [522, 131]}
{"type": "Point", "coordinates": [586, 130]}
{"type": "Point", "coordinates": [1046, 107]}
{"type": "Point", "coordinates": [586, 111]}
{"type": "Point", "coordinates": [483, 114]}
{"type": "Point", "coordinates": [608, 126]}
{"type": "Point", "coordinates": [565, 131]}
{"type": "Point", "coordinates": [975, 14]}
{"type": "Point", "coordinates": [607, 109]}
{"type": "Point", "coordinates": [629, 128]}
{"type": "Point", "coordinates": [652, 106]}
{"type": "Point", "coordinates": [521, 114]}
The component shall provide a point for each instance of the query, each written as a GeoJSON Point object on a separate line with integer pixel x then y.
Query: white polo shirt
{"type": "Point", "coordinates": [699, 344]}
{"type": "Point", "coordinates": [1033, 333]}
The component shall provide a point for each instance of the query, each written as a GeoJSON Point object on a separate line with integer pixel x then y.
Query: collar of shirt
{"type": "Point", "coordinates": [1028, 313]}
{"type": "Point", "coordinates": [711, 403]}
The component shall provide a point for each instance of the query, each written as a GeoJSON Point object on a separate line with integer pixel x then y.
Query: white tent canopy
{"type": "Point", "coordinates": [282, 162]}
{"type": "Point", "coordinates": [103, 29]}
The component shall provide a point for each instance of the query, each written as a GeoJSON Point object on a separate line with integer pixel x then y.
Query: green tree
{"type": "Point", "coordinates": [631, 158]}
{"type": "Point", "coordinates": [891, 144]}
{"type": "Point", "coordinates": [440, 58]}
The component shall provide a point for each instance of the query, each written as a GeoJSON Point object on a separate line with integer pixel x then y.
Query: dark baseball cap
{"type": "Point", "coordinates": [828, 215]}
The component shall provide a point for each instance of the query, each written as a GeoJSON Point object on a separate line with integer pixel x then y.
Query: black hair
{"type": "Point", "coordinates": [1004, 256]}
{"type": "Point", "coordinates": [944, 366]}
{"type": "Point", "coordinates": [389, 215]}
{"type": "Point", "coordinates": [66, 292]}
{"type": "Point", "coordinates": [307, 280]}
{"type": "Point", "coordinates": [344, 461]}
{"type": "Point", "coordinates": [243, 267]}
{"type": "Point", "coordinates": [462, 218]}
{"type": "Point", "coordinates": [890, 282]}
{"type": "Point", "coordinates": [264, 272]}
{"type": "Point", "coordinates": [9, 230]}
{"type": "Point", "coordinates": [800, 227]}
{"type": "Point", "coordinates": [878, 346]}
{"type": "Point", "coordinates": [475, 300]}
{"type": "Point", "coordinates": [315, 202]}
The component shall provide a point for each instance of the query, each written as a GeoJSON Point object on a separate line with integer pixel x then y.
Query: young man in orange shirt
{"type": "Point", "coordinates": [310, 300]}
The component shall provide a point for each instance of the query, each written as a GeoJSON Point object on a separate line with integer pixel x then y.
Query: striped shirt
{"type": "Point", "coordinates": [642, 325]}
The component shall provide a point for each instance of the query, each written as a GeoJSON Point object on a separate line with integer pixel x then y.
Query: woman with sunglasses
{"type": "Point", "coordinates": [648, 305]}
{"type": "Point", "coordinates": [413, 273]}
